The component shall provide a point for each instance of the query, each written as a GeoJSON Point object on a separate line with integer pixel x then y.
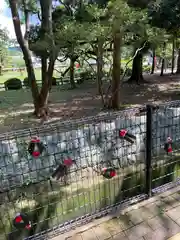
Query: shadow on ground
{"type": "Point", "coordinates": [16, 106]}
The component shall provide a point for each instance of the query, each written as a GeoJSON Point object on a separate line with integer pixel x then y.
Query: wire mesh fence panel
{"type": "Point", "coordinates": [166, 144]}
{"type": "Point", "coordinates": [57, 173]}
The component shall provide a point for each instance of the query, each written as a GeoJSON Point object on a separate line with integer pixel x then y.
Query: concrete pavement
{"type": "Point", "coordinates": [157, 218]}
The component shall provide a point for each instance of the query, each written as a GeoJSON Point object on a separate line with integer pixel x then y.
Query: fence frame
{"type": "Point", "coordinates": [149, 191]}
{"type": "Point", "coordinates": [149, 112]}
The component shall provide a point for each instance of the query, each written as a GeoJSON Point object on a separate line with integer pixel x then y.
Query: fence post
{"type": "Point", "coordinates": [149, 112]}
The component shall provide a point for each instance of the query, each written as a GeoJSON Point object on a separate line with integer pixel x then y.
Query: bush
{"type": "Point", "coordinates": [85, 76]}
{"type": "Point", "coordinates": [13, 84]}
{"type": "Point", "coordinates": [26, 82]}
{"type": "Point", "coordinates": [54, 81]}
{"type": "Point", "coordinates": [147, 69]}
{"type": "Point", "coordinates": [122, 71]}
{"type": "Point", "coordinates": [128, 72]}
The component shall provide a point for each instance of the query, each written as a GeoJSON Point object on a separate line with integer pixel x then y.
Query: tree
{"type": "Point", "coordinates": [141, 35]}
{"type": "Point", "coordinates": [164, 14]}
{"type": "Point", "coordinates": [111, 17]}
{"type": "Point", "coordinates": [4, 40]}
{"type": "Point", "coordinates": [70, 34]}
{"type": "Point", "coordinates": [40, 98]}
{"type": "Point", "coordinates": [178, 60]}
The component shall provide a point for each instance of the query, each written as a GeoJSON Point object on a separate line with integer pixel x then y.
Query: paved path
{"type": "Point", "coordinates": [175, 237]}
{"type": "Point", "coordinates": [157, 218]}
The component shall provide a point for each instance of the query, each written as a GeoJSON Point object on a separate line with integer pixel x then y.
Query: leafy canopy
{"type": "Point", "coordinates": [4, 42]}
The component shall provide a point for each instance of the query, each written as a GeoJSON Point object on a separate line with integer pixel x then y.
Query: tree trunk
{"type": "Point", "coordinates": [71, 73]}
{"type": "Point", "coordinates": [43, 69]}
{"type": "Point", "coordinates": [27, 21]}
{"type": "Point", "coordinates": [100, 67]}
{"type": "Point", "coordinates": [41, 108]}
{"type": "Point", "coordinates": [26, 52]}
{"type": "Point", "coordinates": [178, 62]}
{"type": "Point", "coordinates": [153, 61]}
{"type": "Point", "coordinates": [68, 69]}
{"type": "Point", "coordinates": [162, 67]}
{"type": "Point", "coordinates": [116, 71]}
{"type": "Point", "coordinates": [173, 53]}
{"type": "Point", "coordinates": [163, 60]}
{"type": "Point", "coordinates": [136, 75]}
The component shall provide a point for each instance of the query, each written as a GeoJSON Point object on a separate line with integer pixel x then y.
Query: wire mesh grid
{"type": "Point", "coordinates": [30, 186]}
{"type": "Point", "coordinates": [166, 145]}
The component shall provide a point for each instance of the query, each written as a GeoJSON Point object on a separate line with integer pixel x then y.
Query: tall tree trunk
{"type": "Point", "coordinates": [46, 27]}
{"type": "Point", "coordinates": [137, 69]}
{"type": "Point", "coordinates": [100, 66]}
{"type": "Point", "coordinates": [178, 62]}
{"type": "Point", "coordinates": [162, 67]}
{"type": "Point", "coordinates": [27, 20]}
{"type": "Point", "coordinates": [153, 61]}
{"type": "Point", "coordinates": [43, 69]}
{"type": "Point", "coordinates": [173, 55]}
{"type": "Point", "coordinates": [26, 52]}
{"type": "Point", "coordinates": [71, 73]}
{"type": "Point", "coordinates": [163, 60]}
{"type": "Point", "coordinates": [116, 71]}
{"type": "Point", "coordinates": [68, 69]}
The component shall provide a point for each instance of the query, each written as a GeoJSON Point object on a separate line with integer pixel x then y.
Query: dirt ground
{"type": "Point", "coordinates": [16, 106]}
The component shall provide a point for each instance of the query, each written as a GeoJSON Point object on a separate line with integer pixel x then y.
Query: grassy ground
{"type": "Point", "coordinates": [16, 107]}
{"type": "Point", "coordinates": [21, 75]}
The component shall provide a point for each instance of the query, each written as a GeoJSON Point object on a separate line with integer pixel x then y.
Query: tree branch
{"type": "Point", "coordinates": [62, 60]}
{"type": "Point", "coordinates": [57, 70]}
{"type": "Point", "coordinates": [39, 17]}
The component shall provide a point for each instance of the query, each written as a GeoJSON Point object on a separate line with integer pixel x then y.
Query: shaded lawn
{"type": "Point", "coordinates": [16, 107]}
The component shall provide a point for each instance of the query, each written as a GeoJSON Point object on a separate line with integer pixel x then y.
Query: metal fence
{"type": "Point", "coordinates": [60, 176]}
{"type": "Point", "coordinates": [59, 82]}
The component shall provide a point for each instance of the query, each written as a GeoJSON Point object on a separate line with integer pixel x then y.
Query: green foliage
{"type": "Point", "coordinates": [147, 69]}
{"type": "Point", "coordinates": [86, 75]}
{"type": "Point", "coordinates": [4, 39]}
{"type": "Point", "coordinates": [165, 14]}
{"type": "Point", "coordinates": [13, 84]}
{"type": "Point", "coordinates": [139, 4]}
{"type": "Point", "coordinates": [168, 52]}
{"type": "Point", "coordinates": [26, 82]}
{"type": "Point", "coordinates": [37, 44]}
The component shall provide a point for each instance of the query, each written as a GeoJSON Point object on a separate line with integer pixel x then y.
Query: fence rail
{"type": "Point", "coordinates": [66, 174]}
{"type": "Point", "coordinates": [59, 82]}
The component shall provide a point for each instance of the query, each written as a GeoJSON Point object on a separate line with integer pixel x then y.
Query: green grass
{"type": "Point", "coordinates": [22, 75]}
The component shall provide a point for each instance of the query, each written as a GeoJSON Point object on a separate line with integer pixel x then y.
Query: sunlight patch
{"type": "Point", "coordinates": [20, 112]}
{"type": "Point", "coordinates": [27, 105]}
